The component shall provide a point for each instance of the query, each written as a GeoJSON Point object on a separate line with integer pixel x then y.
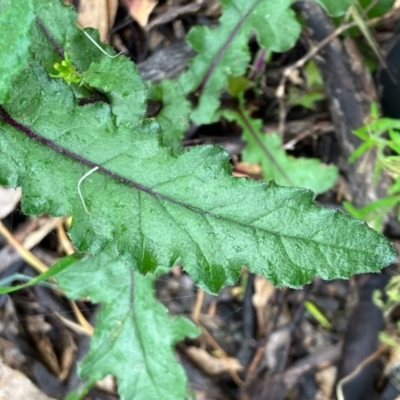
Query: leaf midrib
{"type": "Point", "coordinates": [54, 146]}
{"type": "Point", "coordinates": [224, 47]}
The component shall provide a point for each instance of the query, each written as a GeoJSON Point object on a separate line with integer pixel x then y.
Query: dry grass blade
{"type": "Point", "coordinates": [39, 266]}
{"type": "Point", "coordinates": [25, 254]}
{"type": "Point", "coordinates": [366, 31]}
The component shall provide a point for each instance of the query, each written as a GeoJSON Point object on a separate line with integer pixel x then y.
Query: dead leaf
{"type": "Point", "coordinates": [98, 14]}
{"type": "Point", "coordinates": [60, 364]}
{"type": "Point", "coordinates": [11, 354]}
{"type": "Point", "coordinates": [326, 381]}
{"type": "Point", "coordinates": [16, 386]}
{"type": "Point", "coordinates": [107, 384]}
{"type": "Point", "coordinates": [9, 199]}
{"type": "Point", "coordinates": [277, 341]}
{"type": "Point", "coordinates": [140, 10]}
{"type": "Point", "coordinates": [212, 365]}
{"type": "Point", "coordinates": [295, 77]}
{"type": "Point", "coordinates": [263, 291]}
{"type": "Point", "coordinates": [244, 169]}
{"type": "Point", "coordinates": [67, 356]}
{"type": "Point", "coordinates": [37, 328]}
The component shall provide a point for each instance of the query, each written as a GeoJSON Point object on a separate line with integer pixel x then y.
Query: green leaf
{"type": "Point", "coordinates": [125, 90]}
{"type": "Point", "coordinates": [81, 146]}
{"type": "Point", "coordinates": [394, 142]}
{"type": "Point", "coordinates": [395, 188]}
{"type": "Point", "coordinates": [223, 51]}
{"type": "Point", "coordinates": [58, 267]}
{"type": "Point", "coordinates": [16, 17]}
{"type": "Point", "coordinates": [237, 85]}
{"type": "Point", "coordinates": [133, 333]}
{"type": "Point", "coordinates": [81, 391]}
{"type": "Point", "coordinates": [360, 150]}
{"type": "Point", "coordinates": [306, 100]}
{"type": "Point", "coordinates": [276, 163]}
{"type": "Point", "coordinates": [379, 7]}
{"type": "Point", "coordinates": [362, 133]}
{"type": "Point", "coordinates": [314, 77]}
{"type": "Point", "coordinates": [66, 71]}
{"type": "Point", "coordinates": [174, 115]}
{"type": "Point", "coordinates": [379, 126]}
{"type": "Point", "coordinates": [163, 208]}
{"type": "Point", "coordinates": [317, 314]}
{"type": "Point", "coordinates": [55, 33]}
{"type": "Point", "coordinates": [335, 7]}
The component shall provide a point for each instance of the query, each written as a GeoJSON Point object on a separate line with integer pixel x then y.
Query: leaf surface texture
{"type": "Point", "coordinates": [134, 338]}
{"type": "Point", "coordinates": [162, 208]}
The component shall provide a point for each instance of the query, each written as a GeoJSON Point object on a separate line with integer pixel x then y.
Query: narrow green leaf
{"type": "Point", "coordinates": [317, 314]}
{"type": "Point", "coordinates": [394, 143]}
{"type": "Point", "coordinates": [60, 266]}
{"type": "Point", "coordinates": [362, 133]}
{"type": "Point", "coordinates": [133, 333]}
{"type": "Point", "coordinates": [395, 188]}
{"type": "Point", "coordinates": [354, 211]}
{"type": "Point", "coordinates": [389, 201]}
{"type": "Point", "coordinates": [16, 17]}
{"type": "Point", "coordinates": [306, 100]}
{"type": "Point", "coordinates": [360, 150]}
{"type": "Point", "coordinates": [381, 125]}
{"type": "Point", "coordinates": [223, 51]}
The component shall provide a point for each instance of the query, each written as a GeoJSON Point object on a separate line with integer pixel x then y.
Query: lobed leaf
{"type": "Point", "coordinates": [134, 337]}
{"type": "Point", "coordinates": [223, 51]}
{"type": "Point", "coordinates": [82, 147]}
{"type": "Point", "coordinates": [163, 208]}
